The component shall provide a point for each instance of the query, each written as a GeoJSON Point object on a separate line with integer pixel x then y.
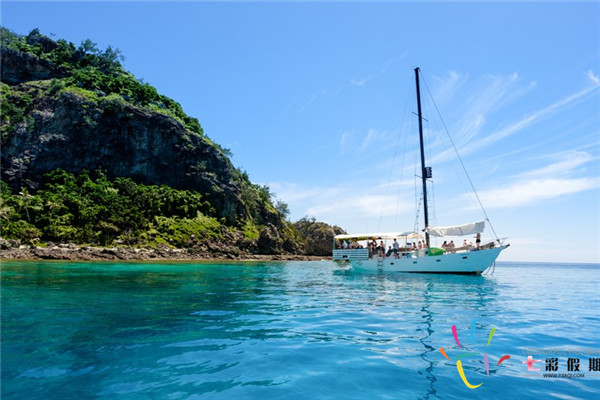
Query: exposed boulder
{"type": "Point", "coordinates": [269, 240]}
{"type": "Point", "coordinates": [317, 236]}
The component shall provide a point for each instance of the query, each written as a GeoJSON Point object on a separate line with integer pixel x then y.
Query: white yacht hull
{"type": "Point", "coordinates": [472, 262]}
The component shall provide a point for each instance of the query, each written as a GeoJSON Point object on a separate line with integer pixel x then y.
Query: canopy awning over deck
{"type": "Point", "coordinates": [382, 236]}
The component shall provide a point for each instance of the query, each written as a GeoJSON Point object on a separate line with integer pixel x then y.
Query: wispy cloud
{"type": "Point", "coordinates": [390, 62]}
{"type": "Point", "coordinates": [357, 82]}
{"type": "Point", "coordinates": [446, 87]}
{"type": "Point", "coordinates": [311, 100]}
{"type": "Point", "coordinates": [373, 136]}
{"type": "Point", "coordinates": [489, 97]}
{"type": "Point", "coordinates": [384, 68]}
{"type": "Point", "coordinates": [533, 191]}
{"type": "Point", "coordinates": [593, 78]}
{"type": "Point", "coordinates": [347, 201]}
{"type": "Point", "coordinates": [533, 117]}
{"type": "Point", "coordinates": [568, 161]}
{"type": "Point", "coordinates": [370, 141]}
{"type": "Point", "coordinates": [561, 177]}
{"type": "Point", "coordinates": [476, 101]}
{"type": "Point", "coordinates": [361, 82]}
{"type": "Point", "coordinates": [314, 97]}
{"type": "Point", "coordinates": [486, 100]}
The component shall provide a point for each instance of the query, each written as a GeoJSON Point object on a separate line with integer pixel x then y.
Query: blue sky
{"type": "Point", "coordinates": [316, 99]}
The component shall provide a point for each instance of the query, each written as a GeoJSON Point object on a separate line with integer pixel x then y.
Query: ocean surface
{"type": "Point", "coordinates": [296, 330]}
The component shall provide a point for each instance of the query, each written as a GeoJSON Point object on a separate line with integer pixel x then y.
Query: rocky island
{"type": "Point", "coordinates": [96, 164]}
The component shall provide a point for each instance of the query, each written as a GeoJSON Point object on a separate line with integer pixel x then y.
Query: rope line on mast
{"type": "Point", "coordinates": [401, 139]}
{"type": "Point", "coordinates": [416, 227]}
{"type": "Point", "coordinates": [461, 161]}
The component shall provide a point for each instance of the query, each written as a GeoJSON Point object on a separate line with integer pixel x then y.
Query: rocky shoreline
{"type": "Point", "coordinates": [12, 250]}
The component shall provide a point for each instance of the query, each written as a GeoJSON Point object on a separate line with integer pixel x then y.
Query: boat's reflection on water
{"type": "Point", "coordinates": [428, 354]}
{"type": "Point", "coordinates": [428, 305]}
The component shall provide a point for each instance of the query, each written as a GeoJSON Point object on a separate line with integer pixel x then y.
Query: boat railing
{"type": "Point", "coordinates": [406, 252]}
{"type": "Point", "coordinates": [351, 254]}
{"type": "Point", "coordinates": [462, 249]}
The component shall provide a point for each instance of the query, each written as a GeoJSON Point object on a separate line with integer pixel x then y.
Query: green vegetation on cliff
{"type": "Point", "coordinates": [157, 178]}
{"type": "Point", "coordinates": [89, 208]}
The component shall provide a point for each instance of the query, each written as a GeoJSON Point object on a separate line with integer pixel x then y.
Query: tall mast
{"type": "Point", "coordinates": [425, 172]}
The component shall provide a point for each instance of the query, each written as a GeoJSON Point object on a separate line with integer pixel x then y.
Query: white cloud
{"type": "Point", "coordinates": [593, 78]}
{"type": "Point", "coordinates": [293, 192]}
{"type": "Point", "coordinates": [534, 191]}
{"type": "Point", "coordinates": [477, 102]}
{"type": "Point", "coordinates": [570, 161]}
{"type": "Point", "coordinates": [348, 202]}
{"type": "Point", "coordinates": [447, 87]}
{"type": "Point", "coordinates": [352, 209]}
{"type": "Point", "coordinates": [488, 96]}
{"type": "Point", "coordinates": [559, 178]}
{"type": "Point", "coordinates": [372, 139]}
{"type": "Point", "coordinates": [524, 122]}
{"type": "Point", "coordinates": [366, 205]}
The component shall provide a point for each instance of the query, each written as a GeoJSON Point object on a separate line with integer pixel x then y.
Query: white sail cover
{"type": "Point", "coordinates": [459, 230]}
{"type": "Point", "coordinates": [384, 236]}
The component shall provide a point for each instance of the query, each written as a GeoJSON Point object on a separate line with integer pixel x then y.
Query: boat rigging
{"type": "Point", "coordinates": [465, 259]}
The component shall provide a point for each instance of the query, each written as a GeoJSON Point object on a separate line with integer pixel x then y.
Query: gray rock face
{"type": "Point", "coordinates": [269, 240]}
{"type": "Point", "coordinates": [18, 67]}
{"type": "Point", "coordinates": [317, 236]}
{"type": "Point", "coordinates": [75, 133]}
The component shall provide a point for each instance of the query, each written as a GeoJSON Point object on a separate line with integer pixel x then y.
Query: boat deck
{"type": "Point", "coordinates": [403, 252]}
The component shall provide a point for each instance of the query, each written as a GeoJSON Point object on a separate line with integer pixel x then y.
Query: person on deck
{"type": "Point", "coordinates": [389, 252]}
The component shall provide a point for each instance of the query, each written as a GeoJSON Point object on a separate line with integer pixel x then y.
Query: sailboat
{"type": "Point", "coordinates": [406, 256]}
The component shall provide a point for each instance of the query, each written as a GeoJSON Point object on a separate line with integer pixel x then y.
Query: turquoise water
{"type": "Point", "coordinates": [296, 330]}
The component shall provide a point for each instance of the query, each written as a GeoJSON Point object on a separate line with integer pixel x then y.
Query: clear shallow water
{"type": "Point", "coordinates": [300, 330]}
